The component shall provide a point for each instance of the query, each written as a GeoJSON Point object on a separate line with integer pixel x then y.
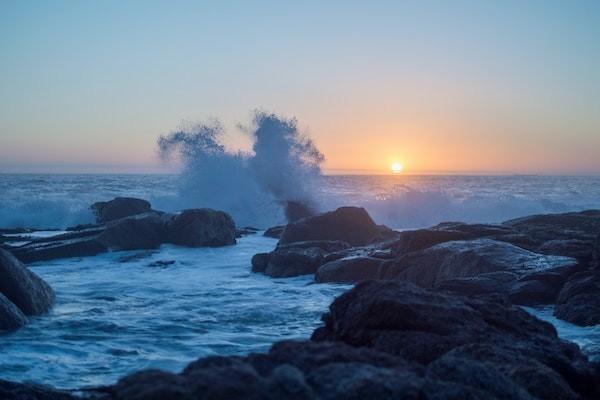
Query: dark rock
{"type": "Point", "coordinates": [352, 225]}
{"type": "Point", "coordinates": [299, 258]}
{"type": "Point", "coordinates": [247, 230]}
{"type": "Point", "coordinates": [349, 270]}
{"type": "Point", "coordinates": [201, 228]}
{"type": "Point", "coordinates": [119, 207]}
{"type": "Point", "coordinates": [473, 266]}
{"type": "Point", "coordinates": [161, 263]}
{"type": "Point", "coordinates": [72, 244]}
{"type": "Point", "coordinates": [296, 210]}
{"type": "Point", "coordinates": [274, 232]}
{"type": "Point", "coordinates": [570, 234]}
{"type": "Point", "coordinates": [579, 300]}
{"type": "Point", "coordinates": [143, 231]}
{"type": "Point", "coordinates": [424, 326]}
{"type": "Point", "coordinates": [30, 391]}
{"type": "Point", "coordinates": [11, 317]}
{"type": "Point", "coordinates": [22, 287]}
{"type": "Point", "coordinates": [259, 262]}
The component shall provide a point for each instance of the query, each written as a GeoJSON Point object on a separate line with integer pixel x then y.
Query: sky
{"type": "Point", "coordinates": [439, 86]}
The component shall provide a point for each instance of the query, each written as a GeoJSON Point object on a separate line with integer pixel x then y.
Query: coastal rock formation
{"type": "Point", "coordinates": [30, 391]}
{"type": "Point", "coordinates": [21, 293]}
{"type": "Point", "coordinates": [352, 225]}
{"type": "Point", "coordinates": [389, 340]}
{"type": "Point", "coordinates": [579, 300]}
{"type": "Point", "coordinates": [119, 207]}
{"type": "Point", "coordinates": [201, 228]}
{"type": "Point", "coordinates": [299, 258]}
{"type": "Point", "coordinates": [141, 231]}
{"type": "Point", "coordinates": [349, 270]}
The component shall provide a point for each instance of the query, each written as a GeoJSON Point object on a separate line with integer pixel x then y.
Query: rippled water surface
{"type": "Point", "coordinates": [121, 312]}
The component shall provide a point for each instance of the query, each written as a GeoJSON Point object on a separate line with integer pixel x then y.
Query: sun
{"type": "Point", "coordinates": [396, 168]}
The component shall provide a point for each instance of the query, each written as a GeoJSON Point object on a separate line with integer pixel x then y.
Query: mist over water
{"type": "Point", "coordinates": [284, 165]}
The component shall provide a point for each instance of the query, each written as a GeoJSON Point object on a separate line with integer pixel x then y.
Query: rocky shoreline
{"type": "Point", "coordinates": [434, 313]}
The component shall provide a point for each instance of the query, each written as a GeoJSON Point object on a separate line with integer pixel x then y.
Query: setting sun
{"type": "Point", "coordinates": [396, 168]}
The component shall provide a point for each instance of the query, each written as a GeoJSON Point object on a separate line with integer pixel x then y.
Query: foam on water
{"type": "Point", "coordinates": [116, 313]}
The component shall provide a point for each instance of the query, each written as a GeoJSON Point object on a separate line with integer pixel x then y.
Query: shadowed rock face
{"type": "Point", "coordinates": [201, 228]}
{"type": "Point", "coordinates": [21, 293]}
{"type": "Point", "coordinates": [579, 300]}
{"type": "Point", "coordinates": [352, 225]}
{"type": "Point", "coordinates": [119, 207]}
{"type": "Point", "coordinates": [29, 391]}
{"type": "Point", "coordinates": [426, 327]}
{"type": "Point", "coordinates": [22, 287]}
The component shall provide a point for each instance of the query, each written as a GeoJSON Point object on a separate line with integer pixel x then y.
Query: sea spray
{"type": "Point", "coordinates": [282, 170]}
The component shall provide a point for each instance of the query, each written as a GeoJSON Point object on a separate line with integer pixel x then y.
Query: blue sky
{"type": "Point", "coordinates": [443, 86]}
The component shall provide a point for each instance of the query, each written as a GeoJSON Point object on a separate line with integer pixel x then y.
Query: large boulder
{"type": "Point", "coordinates": [142, 231]}
{"type": "Point", "coordinates": [579, 300]}
{"type": "Point", "coordinates": [119, 207]}
{"type": "Point", "coordinates": [202, 227]}
{"type": "Point", "coordinates": [22, 287]}
{"type": "Point", "coordinates": [352, 225]}
{"type": "Point", "coordinates": [449, 333]}
{"type": "Point", "coordinates": [296, 210]}
{"type": "Point", "coordinates": [484, 266]}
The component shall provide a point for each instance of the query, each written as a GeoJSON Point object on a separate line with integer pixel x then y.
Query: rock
{"type": "Point", "coordinates": [30, 391]}
{"type": "Point", "coordinates": [424, 326]}
{"type": "Point", "coordinates": [300, 258]}
{"type": "Point", "coordinates": [296, 210]}
{"type": "Point", "coordinates": [569, 234]}
{"type": "Point", "coordinates": [579, 300]}
{"type": "Point", "coordinates": [11, 318]}
{"type": "Point", "coordinates": [201, 228]}
{"type": "Point", "coordinates": [349, 270]}
{"type": "Point", "coordinates": [119, 207]}
{"type": "Point", "coordinates": [72, 244]}
{"type": "Point", "coordinates": [245, 231]}
{"type": "Point", "coordinates": [482, 266]}
{"type": "Point", "coordinates": [274, 232]}
{"type": "Point", "coordinates": [391, 340]}
{"type": "Point", "coordinates": [352, 225]}
{"type": "Point", "coordinates": [22, 287]}
{"type": "Point", "coordinates": [259, 262]}
{"type": "Point", "coordinates": [139, 232]}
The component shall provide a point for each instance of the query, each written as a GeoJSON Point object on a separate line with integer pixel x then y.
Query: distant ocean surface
{"type": "Point", "coordinates": [118, 312]}
{"type": "Point", "coordinates": [400, 201]}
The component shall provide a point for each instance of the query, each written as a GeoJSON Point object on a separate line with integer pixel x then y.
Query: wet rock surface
{"type": "Point", "coordinates": [352, 225]}
{"type": "Point", "coordinates": [579, 300]}
{"type": "Point", "coordinates": [119, 207]}
{"type": "Point", "coordinates": [21, 293]}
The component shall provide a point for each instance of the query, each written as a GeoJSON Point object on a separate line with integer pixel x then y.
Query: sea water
{"type": "Point", "coordinates": [120, 312]}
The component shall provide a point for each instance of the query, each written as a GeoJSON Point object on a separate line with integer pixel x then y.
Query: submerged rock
{"type": "Point", "coordinates": [352, 225]}
{"type": "Point", "coordinates": [31, 294]}
{"type": "Point", "coordinates": [119, 207]}
{"type": "Point", "coordinates": [579, 300]}
{"type": "Point", "coordinates": [201, 228]}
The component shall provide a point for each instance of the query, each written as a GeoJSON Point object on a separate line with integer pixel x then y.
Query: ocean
{"type": "Point", "coordinates": [120, 312]}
